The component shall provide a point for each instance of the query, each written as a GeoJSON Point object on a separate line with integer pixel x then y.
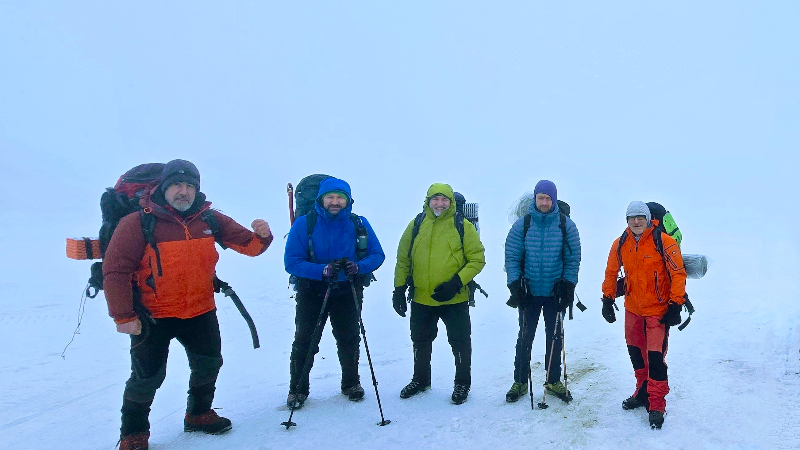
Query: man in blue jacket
{"type": "Point", "coordinates": [315, 258]}
{"type": "Point", "coordinates": [542, 269]}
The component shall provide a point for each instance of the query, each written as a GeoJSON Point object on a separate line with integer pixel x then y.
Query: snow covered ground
{"type": "Point", "coordinates": [695, 106]}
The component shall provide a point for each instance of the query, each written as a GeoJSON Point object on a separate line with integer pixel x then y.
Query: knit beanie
{"type": "Point", "coordinates": [637, 208]}
{"type": "Point", "coordinates": [180, 171]}
{"type": "Point", "coordinates": [546, 187]}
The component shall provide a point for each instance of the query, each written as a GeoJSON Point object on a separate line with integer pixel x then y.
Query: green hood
{"type": "Point", "coordinates": [440, 188]}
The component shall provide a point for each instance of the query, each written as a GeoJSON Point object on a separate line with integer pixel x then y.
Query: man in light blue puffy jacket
{"type": "Point", "coordinates": [542, 256]}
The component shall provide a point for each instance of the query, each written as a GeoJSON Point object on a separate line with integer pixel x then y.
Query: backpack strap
{"type": "Point", "coordinates": [526, 225]}
{"type": "Point", "coordinates": [361, 236]}
{"type": "Point", "coordinates": [660, 249]}
{"type": "Point", "coordinates": [562, 223]}
{"type": "Point", "coordinates": [211, 220]}
{"type": "Point", "coordinates": [148, 229]}
{"type": "Point", "coordinates": [311, 222]}
{"type": "Point", "coordinates": [415, 231]}
{"type": "Point", "coordinates": [622, 240]}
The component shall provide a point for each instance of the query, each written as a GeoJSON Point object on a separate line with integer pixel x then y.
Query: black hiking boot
{"type": "Point", "coordinates": [633, 403]}
{"type": "Point", "coordinates": [414, 388]}
{"type": "Point", "coordinates": [460, 393]}
{"type": "Point", "coordinates": [296, 401]}
{"type": "Point", "coordinates": [656, 419]}
{"type": "Point", "coordinates": [354, 393]}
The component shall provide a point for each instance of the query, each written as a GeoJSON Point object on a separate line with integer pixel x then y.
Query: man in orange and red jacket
{"type": "Point", "coordinates": [170, 287]}
{"type": "Point", "coordinates": [655, 290]}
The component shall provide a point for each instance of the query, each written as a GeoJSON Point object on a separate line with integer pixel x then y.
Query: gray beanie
{"type": "Point", "coordinates": [637, 208]}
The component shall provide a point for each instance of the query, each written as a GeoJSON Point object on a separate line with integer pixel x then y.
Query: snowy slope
{"type": "Point", "coordinates": [693, 104]}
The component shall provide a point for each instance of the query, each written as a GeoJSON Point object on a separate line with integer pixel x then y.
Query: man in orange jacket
{"type": "Point", "coordinates": [164, 282]}
{"type": "Point", "coordinates": [655, 290]}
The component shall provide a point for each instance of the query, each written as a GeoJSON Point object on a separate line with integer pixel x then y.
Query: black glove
{"type": "Point", "coordinates": [564, 292]}
{"type": "Point", "coordinates": [608, 310]}
{"type": "Point", "coordinates": [516, 293]}
{"type": "Point", "coordinates": [350, 268]}
{"type": "Point", "coordinates": [399, 300]}
{"type": "Point", "coordinates": [332, 269]}
{"type": "Point", "coordinates": [673, 315]}
{"type": "Point", "coordinates": [447, 290]}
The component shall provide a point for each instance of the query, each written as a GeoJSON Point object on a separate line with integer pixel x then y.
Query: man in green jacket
{"type": "Point", "coordinates": [436, 263]}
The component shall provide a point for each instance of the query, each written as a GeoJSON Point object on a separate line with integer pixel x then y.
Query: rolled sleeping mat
{"type": "Point", "coordinates": [696, 265]}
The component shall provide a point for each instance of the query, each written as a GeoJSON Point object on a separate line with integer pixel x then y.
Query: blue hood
{"type": "Point", "coordinates": [334, 184]}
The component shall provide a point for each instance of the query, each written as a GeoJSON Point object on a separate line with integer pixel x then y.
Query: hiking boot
{"type": "Point", "coordinates": [296, 401]}
{"type": "Point", "coordinates": [656, 419]}
{"type": "Point", "coordinates": [517, 390]}
{"type": "Point", "coordinates": [632, 403]}
{"type": "Point", "coordinates": [209, 422]}
{"type": "Point", "coordinates": [134, 441]}
{"type": "Point", "coordinates": [460, 392]}
{"type": "Point", "coordinates": [414, 388]}
{"type": "Point", "coordinates": [557, 388]}
{"type": "Point", "coordinates": [354, 393]}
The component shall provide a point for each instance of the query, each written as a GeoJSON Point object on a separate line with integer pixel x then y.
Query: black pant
{"type": "Point", "coordinates": [345, 324]}
{"type": "Point", "coordinates": [149, 350]}
{"type": "Point", "coordinates": [529, 312]}
{"type": "Point", "coordinates": [424, 328]}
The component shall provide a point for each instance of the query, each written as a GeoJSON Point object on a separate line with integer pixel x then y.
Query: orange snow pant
{"type": "Point", "coordinates": [647, 340]}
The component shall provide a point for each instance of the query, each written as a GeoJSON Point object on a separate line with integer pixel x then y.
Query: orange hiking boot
{"type": "Point", "coordinates": [209, 422]}
{"type": "Point", "coordinates": [134, 441]}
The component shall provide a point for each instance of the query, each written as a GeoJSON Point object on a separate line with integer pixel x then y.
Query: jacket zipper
{"type": "Point", "coordinates": [658, 294]}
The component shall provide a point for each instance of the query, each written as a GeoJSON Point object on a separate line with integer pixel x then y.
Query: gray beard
{"type": "Point", "coordinates": [182, 206]}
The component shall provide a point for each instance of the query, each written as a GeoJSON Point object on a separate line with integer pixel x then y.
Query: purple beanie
{"type": "Point", "coordinates": [546, 187]}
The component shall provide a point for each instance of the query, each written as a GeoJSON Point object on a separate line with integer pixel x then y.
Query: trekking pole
{"type": "Point", "coordinates": [564, 354]}
{"type": "Point", "coordinates": [290, 191]}
{"type": "Point", "coordinates": [383, 421]}
{"type": "Point", "coordinates": [315, 337]}
{"type": "Point", "coordinates": [543, 404]}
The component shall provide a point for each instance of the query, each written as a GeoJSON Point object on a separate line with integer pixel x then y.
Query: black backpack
{"type": "Point", "coordinates": [461, 207]}
{"type": "Point", "coordinates": [306, 193]}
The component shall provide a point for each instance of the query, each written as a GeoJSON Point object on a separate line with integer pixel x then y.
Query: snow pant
{"type": "Point", "coordinates": [424, 328]}
{"type": "Point", "coordinates": [200, 338]}
{"type": "Point", "coordinates": [647, 340]}
{"type": "Point", "coordinates": [344, 323]}
{"type": "Point", "coordinates": [529, 311]}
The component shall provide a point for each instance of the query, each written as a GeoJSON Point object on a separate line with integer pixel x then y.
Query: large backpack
{"type": "Point", "coordinates": [464, 210]}
{"type": "Point", "coordinates": [305, 196]}
{"type": "Point", "coordinates": [306, 193]}
{"type": "Point", "coordinates": [665, 221]}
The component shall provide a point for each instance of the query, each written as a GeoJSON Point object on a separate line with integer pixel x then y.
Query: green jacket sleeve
{"type": "Point", "coordinates": [474, 252]}
{"type": "Point", "coordinates": [403, 266]}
